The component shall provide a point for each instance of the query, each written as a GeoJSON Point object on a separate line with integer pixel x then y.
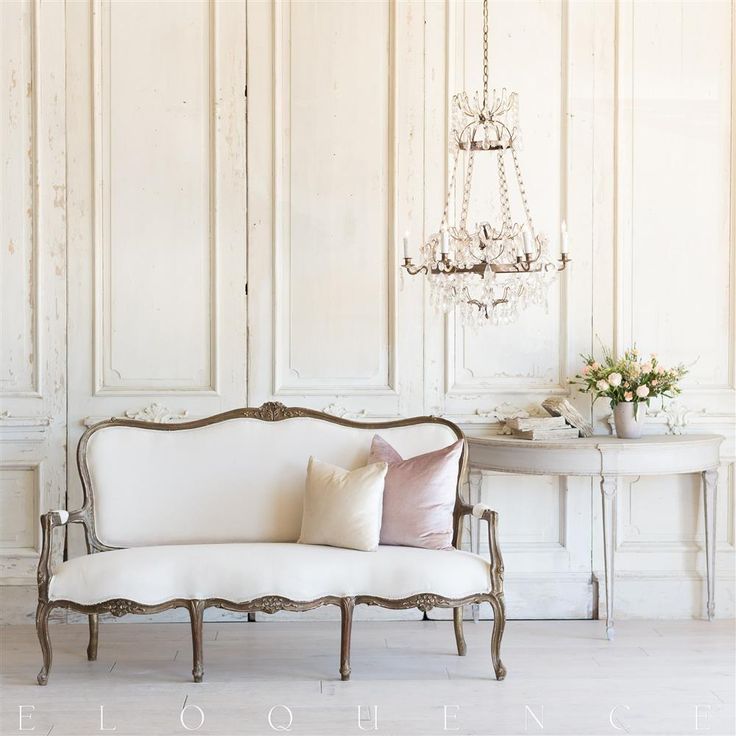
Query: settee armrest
{"type": "Point", "coordinates": [50, 521]}
{"type": "Point", "coordinates": [486, 513]}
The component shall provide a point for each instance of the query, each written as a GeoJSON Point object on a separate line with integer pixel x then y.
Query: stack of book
{"type": "Point", "coordinates": [542, 428]}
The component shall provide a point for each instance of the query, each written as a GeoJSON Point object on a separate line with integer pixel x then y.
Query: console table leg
{"type": "Point", "coordinates": [475, 481]}
{"type": "Point", "coordinates": [710, 485]}
{"type": "Point", "coordinates": [608, 494]}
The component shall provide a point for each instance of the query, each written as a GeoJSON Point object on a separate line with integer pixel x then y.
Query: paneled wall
{"type": "Point", "coordinates": [33, 399]}
{"type": "Point", "coordinates": [201, 207]}
{"type": "Point", "coordinates": [674, 289]}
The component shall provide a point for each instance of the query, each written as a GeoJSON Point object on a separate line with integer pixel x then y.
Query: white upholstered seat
{"type": "Point", "coordinates": [242, 572]}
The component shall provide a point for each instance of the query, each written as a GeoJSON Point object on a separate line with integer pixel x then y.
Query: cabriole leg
{"type": "Point", "coordinates": [196, 615]}
{"type": "Point", "coordinates": [93, 634]}
{"type": "Point", "coordinates": [457, 620]}
{"type": "Point", "coordinates": [42, 629]}
{"type": "Point", "coordinates": [347, 605]}
{"type": "Point", "coordinates": [499, 622]}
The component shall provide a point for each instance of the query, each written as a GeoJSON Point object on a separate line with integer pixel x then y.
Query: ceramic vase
{"type": "Point", "coordinates": [628, 426]}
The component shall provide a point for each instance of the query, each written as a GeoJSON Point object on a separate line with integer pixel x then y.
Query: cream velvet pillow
{"type": "Point", "coordinates": [343, 508]}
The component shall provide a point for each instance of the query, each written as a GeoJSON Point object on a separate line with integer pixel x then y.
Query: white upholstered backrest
{"type": "Point", "coordinates": [239, 480]}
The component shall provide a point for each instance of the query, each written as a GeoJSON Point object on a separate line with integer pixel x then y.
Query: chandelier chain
{"type": "Point", "coordinates": [466, 193]}
{"type": "Point", "coordinates": [445, 213]}
{"type": "Point", "coordinates": [522, 189]}
{"type": "Point", "coordinates": [485, 55]}
{"type": "Point", "coordinates": [503, 188]}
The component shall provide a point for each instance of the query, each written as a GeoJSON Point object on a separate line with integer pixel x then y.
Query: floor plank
{"type": "Point", "coordinates": [561, 673]}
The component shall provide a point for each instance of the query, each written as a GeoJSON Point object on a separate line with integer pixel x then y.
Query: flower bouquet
{"type": "Point", "coordinates": [628, 382]}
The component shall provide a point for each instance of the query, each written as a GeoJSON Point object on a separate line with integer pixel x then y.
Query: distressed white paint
{"type": "Point", "coordinates": [32, 290]}
{"type": "Point", "coordinates": [629, 134]}
{"type": "Point", "coordinates": [18, 254]}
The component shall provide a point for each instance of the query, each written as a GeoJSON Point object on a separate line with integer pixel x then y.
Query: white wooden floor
{"type": "Point", "coordinates": [564, 672]}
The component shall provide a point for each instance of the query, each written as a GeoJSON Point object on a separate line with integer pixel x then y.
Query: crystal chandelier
{"type": "Point", "coordinates": [491, 270]}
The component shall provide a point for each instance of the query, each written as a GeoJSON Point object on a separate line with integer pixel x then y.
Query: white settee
{"type": "Point", "coordinates": [207, 513]}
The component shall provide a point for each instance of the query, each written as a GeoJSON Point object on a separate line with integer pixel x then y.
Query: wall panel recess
{"type": "Point", "coordinates": [155, 193]}
{"type": "Point", "coordinates": [333, 117]}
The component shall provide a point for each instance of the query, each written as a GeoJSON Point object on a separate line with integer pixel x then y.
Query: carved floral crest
{"type": "Point", "coordinates": [274, 411]}
{"type": "Point", "coordinates": [155, 412]}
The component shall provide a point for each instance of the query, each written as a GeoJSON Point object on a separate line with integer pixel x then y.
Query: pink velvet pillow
{"type": "Point", "coordinates": [419, 495]}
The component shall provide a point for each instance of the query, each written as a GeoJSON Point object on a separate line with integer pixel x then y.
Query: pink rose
{"type": "Point", "coordinates": [586, 370]}
{"type": "Point", "coordinates": [628, 396]}
{"type": "Point", "coordinates": [646, 368]}
{"type": "Point", "coordinates": [643, 391]}
{"type": "Point", "coordinates": [595, 366]}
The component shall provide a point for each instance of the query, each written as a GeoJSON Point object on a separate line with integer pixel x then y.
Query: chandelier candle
{"type": "Point", "coordinates": [563, 239]}
{"type": "Point", "coordinates": [492, 270]}
{"type": "Point", "coordinates": [527, 241]}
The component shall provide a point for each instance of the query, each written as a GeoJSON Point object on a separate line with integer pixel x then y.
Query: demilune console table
{"type": "Point", "coordinates": [608, 458]}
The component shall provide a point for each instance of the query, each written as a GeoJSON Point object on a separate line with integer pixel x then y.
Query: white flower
{"type": "Point", "coordinates": [615, 379]}
{"type": "Point", "coordinates": [643, 391]}
{"type": "Point", "coordinates": [602, 385]}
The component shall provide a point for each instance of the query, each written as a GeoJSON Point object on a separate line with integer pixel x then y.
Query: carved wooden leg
{"type": "Point", "coordinates": [42, 629]}
{"type": "Point", "coordinates": [457, 619]}
{"type": "Point", "coordinates": [196, 615]}
{"type": "Point", "coordinates": [475, 486]}
{"type": "Point", "coordinates": [499, 623]}
{"type": "Point", "coordinates": [710, 485]}
{"type": "Point", "coordinates": [608, 494]}
{"type": "Point", "coordinates": [94, 625]}
{"type": "Point", "coordinates": [346, 609]}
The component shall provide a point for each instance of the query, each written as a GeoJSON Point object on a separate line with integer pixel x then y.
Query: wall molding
{"type": "Point", "coordinates": [23, 428]}
{"type": "Point", "coordinates": [286, 378]}
{"type": "Point", "coordinates": [154, 412]}
{"type": "Point", "coordinates": [104, 369]}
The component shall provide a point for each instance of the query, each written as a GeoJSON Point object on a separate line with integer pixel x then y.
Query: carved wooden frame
{"type": "Point", "coordinates": [271, 412]}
